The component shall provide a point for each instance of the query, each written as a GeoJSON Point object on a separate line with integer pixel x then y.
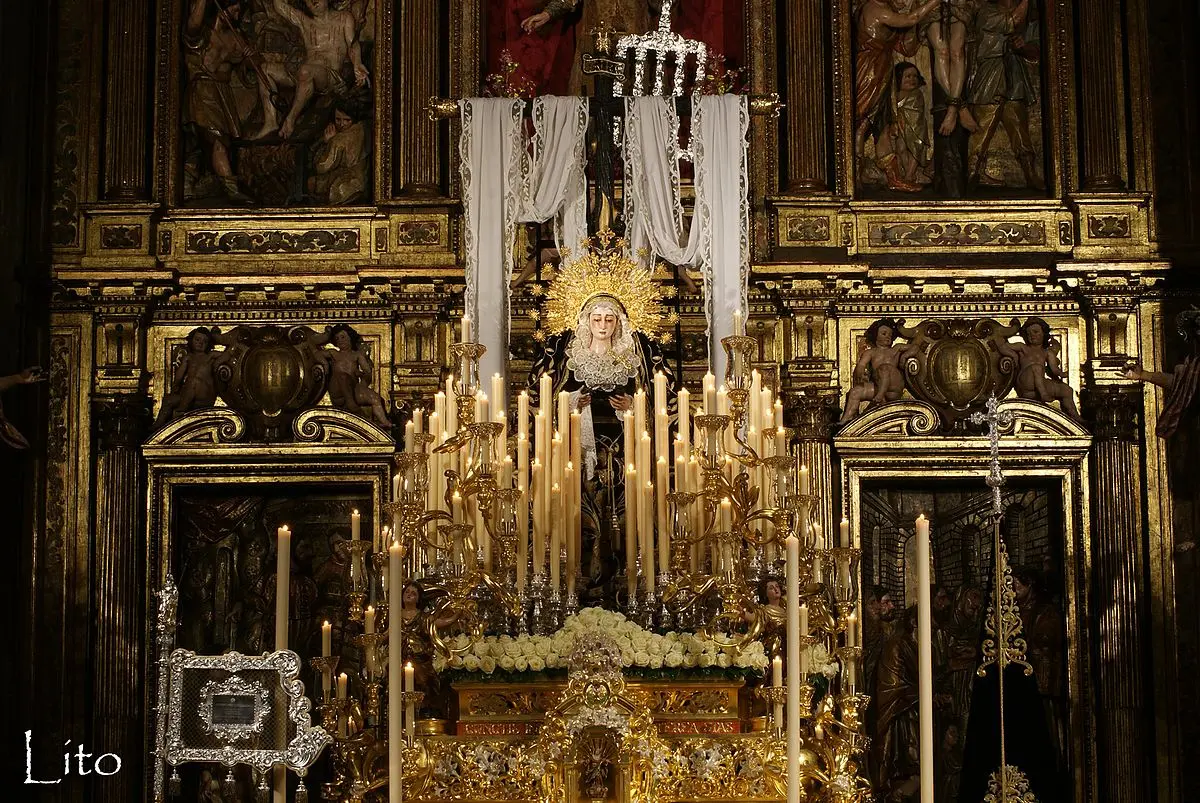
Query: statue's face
{"type": "Point", "coordinates": [884, 336]}
{"type": "Point", "coordinates": [342, 340]}
{"type": "Point", "coordinates": [603, 324]}
{"type": "Point", "coordinates": [341, 120]}
{"type": "Point", "coordinates": [317, 7]}
{"type": "Point", "coordinates": [1036, 334]}
{"type": "Point", "coordinates": [774, 592]}
{"type": "Point", "coordinates": [199, 341]}
{"type": "Point", "coordinates": [910, 79]}
{"type": "Point", "coordinates": [412, 595]}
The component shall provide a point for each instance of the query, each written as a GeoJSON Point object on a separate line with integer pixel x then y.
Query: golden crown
{"type": "Point", "coordinates": [605, 269]}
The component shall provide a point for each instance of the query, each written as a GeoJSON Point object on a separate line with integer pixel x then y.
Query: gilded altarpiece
{"type": "Point", "coordinates": [138, 266]}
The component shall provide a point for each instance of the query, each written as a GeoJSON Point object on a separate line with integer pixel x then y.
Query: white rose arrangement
{"type": "Point", "coordinates": [639, 649]}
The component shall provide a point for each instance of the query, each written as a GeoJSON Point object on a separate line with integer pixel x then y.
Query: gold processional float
{"type": "Point", "coordinates": [490, 526]}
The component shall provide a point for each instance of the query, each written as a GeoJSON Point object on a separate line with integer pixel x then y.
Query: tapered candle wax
{"type": "Point", "coordinates": [925, 659]}
{"type": "Point", "coordinates": [409, 432]}
{"type": "Point", "coordinates": [343, 679]}
{"type": "Point", "coordinates": [283, 575]}
{"type": "Point", "coordinates": [466, 329]}
{"type": "Point", "coordinates": [419, 420]}
{"type": "Point", "coordinates": [326, 639]}
{"type": "Point", "coordinates": [661, 482]}
{"type": "Point", "coordinates": [369, 621]}
{"type": "Point", "coordinates": [710, 394]}
{"type": "Point", "coordinates": [498, 393]}
{"type": "Point", "coordinates": [795, 674]}
{"type": "Point", "coordinates": [395, 639]}
{"type": "Point", "coordinates": [804, 481]}
{"type": "Point", "coordinates": [684, 425]}
{"type": "Point", "coordinates": [355, 526]}
{"type": "Point", "coordinates": [631, 539]}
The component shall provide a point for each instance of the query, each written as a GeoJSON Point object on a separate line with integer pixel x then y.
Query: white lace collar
{"type": "Point", "coordinates": [604, 371]}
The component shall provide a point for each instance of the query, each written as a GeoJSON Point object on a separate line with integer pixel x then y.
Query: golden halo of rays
{"type": "Point", "coordinates": [605, 269]}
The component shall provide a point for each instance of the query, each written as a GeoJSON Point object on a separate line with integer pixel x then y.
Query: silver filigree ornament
{"type": "Point", "coordinates": [298, 755]}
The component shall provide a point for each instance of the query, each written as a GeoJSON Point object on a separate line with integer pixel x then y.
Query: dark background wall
{"type": "Point", "coordinates": [26, 56]}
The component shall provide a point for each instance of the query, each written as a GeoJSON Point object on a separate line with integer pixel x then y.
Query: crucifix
{"type": "Point", "coordinates": [1003, 643]}
{"type": "Point", "coordinates": [659, 62]}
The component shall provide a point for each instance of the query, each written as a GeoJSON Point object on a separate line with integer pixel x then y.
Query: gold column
{"type": "Point", "coordinates": [806, 104]}
{"type": "Point", "coordinates": [809, 414]}
{"type": "Point", "coordinates": [126, 86]}
{"type": "Point", "coordinates": [118, 603]}
{"type": "Point", "coordinates": [415, 37]}
{"type": "Point", "coordinates": [1102, 89]}
{"type": "Point", "coordinates": [1120, 603]}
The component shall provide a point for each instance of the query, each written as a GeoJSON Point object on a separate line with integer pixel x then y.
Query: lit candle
{"type": "Point", "coordinates": [409, 432]}
{"type": "Point", "coordinates": [684, 425]}
{"type": "Point", "coordinates": [539, 531]}
{"type": "Point", "coordinates": [355, 526]}
{"type": "Point", "coordinates": [661, 481]}
{"type": "Point", "coordinates": [456, 508]}
{"type": "Point", "coordinates": [631, 539]}
{"type": "Point", "coordinates": [710, 394]}
{"type": "Point", "coordinates": [498, 392]}
{"type": "Point", "coordinates": [556, 517]}
{"type": "Point", "coordinates": [466, 329]}
{"type": "Point", "coordinates": [410, 719]}
{"type": "Point", "coordinates": [804, 481]}
{"type": "Point", "coordinates": [343, 679]}
{"type": "Point", "coordinates": [369, 622]}
{"type": "Point", "coordinates": [844, 532]}
{"type": "Point", "coordinates": [419, 420]}
{"type": "Point", "coordinates": [737, 321]}
{"type": "Point", "coordinates": [283, 585]}
{"type": "Point", "coordinates": [795, 670]}
{"type": "Point", "coordinates": [326, 651]}
{"type": "Point", "coordinates": [777, 682]}
{"type": "Point", "coordinates": [395, 640]}
{"type": "Point", "coordinates": [925, 658]}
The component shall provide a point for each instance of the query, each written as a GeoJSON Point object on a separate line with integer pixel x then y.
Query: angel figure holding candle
{"type": "Point", "coordinates": [605, 312]}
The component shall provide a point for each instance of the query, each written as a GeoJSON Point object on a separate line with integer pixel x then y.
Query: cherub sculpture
{"type": "Point", "coordinates": [350, 375]}
{"type": "Point", "coordinates": [8, 433]}
{"type": "Point", "coordinates": [1039, 370]}
{"type": "Point", "coordinates": [1181, 383]}
{"type": "Point", "coordinates": [878, 377]}
{"type": "Point", "coordinates": [194, 385]}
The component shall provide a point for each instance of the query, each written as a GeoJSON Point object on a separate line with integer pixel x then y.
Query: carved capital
{"type": "Point", "coordinates": [810, 413]}
{"type": "Point", "coordinates": [1114, 412]}
{"type": "Point", "coordinates": [121, 421]}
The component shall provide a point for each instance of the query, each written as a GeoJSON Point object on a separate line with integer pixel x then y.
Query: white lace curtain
{"type": "Point", "coordinates": [509, 178]}
{"type": "Point", "coordinates": [718, 238]}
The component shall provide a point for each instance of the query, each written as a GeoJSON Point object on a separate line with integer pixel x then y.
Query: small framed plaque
{"type": "Point", "coordinates": [240, 709]}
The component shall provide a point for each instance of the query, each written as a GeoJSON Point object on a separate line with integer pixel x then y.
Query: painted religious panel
{"type": "Point", "coordinates": [277, 103]}
{"type": "Point", "coordinates": [948, 99]}
{"type": "Point", "coordinates": [546, 39]}
{"type": "Point", "coordinates": [225, 549]}
{"type": "Point", "coordinates": [962, 550]}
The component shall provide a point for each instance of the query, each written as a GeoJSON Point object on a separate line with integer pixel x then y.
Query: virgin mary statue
{"type": "Point", "coordinates": [606, 312]}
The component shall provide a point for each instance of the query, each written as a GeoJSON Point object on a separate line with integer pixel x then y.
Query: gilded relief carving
{"type": "Point", "coordinates": [957, 235]}
{"type": "Point", "coordinates": [948, 98]}
{"type": "Point", "coordinates": [277, 103]}
{"type": "Point", "coordinates": [314, 241]}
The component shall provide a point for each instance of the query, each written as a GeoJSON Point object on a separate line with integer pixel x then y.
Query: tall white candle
{"type": "Point", "coordinates": [326, 651]}
{"type": "Point", "coordinates": [395, 640]}
{"type": "Point", "coordinates": [925, 658]}
{"type": "Point", "coordinates": [794, 678]}
{"type": "Point", "coordinates": [777, 682]}
{"type": "Point", "coordinates": [355, 525]}
{"type": "Point", "coordinates": [410, 718]}
{"type": "Point", "coordinates": [283, 585]}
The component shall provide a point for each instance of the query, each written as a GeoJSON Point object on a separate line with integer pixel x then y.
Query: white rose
{"type": "Point", "coordinates": [626, 657]}
{"type": "Point", "coordinates": [656, 661]}
{"type": "Point", "coordinates": [471, 663]}
{"type": "Point", "coordinates": [439, 662]}
{"type": "Point", "coordinates": [507, 663]}
{"type": "Point", "coordinates": [512, 649]}
{"type": "Point", "coordinates": [553, 661]}
{"type": "Point", "coordinates": [536, 664]}
{"type": "Point", "coordinates": [689, 660]}
{"type": "Point", "coordinates": [520, 664]}
{"type": "Point", "coordinates": [505, 639]}
{"type": "Point", "coordinates": [723, 661]}
{"type": "Point", "coordinates": [641, 658]}
{"type": "Point", "coordinates": [480, 649]}
{"type": "Point", "coordinates": [487, 664]}
{"type": "Point", "coordinates": [673, 660]}
{"type": "Point", "coordinates": [456, 661]}
{"type": "Point", "coordinates": [705, 661]}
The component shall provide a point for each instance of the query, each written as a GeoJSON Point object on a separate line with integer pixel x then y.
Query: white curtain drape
{"type": "Point", "coordinates": [504, 182]}
{"type": "Point", "coordinates": [718, 240]}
